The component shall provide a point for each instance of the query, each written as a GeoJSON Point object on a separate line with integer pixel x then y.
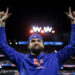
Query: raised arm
{"type": "Point", "coordinates": [68, 50]}
{"type": "Point", "coordinates": [10, 52]}
{"type": "Point", "coordinates": [3, 18]}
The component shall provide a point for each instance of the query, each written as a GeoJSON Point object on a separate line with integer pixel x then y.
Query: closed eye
{"type": "Point", "coordinates": [32, 41]}
{"type": "Point", "coordinates": [39, 40]}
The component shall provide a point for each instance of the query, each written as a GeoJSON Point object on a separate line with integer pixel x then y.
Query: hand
{"type": "Point", "coordinates": [4, 15]}
{"type": "Point", "coordinates": [71, 15]}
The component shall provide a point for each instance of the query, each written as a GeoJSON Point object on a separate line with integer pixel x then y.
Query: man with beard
{"type": "Point", "coordinates": [36, 44]}
{"type": "Point", "coordinates": [37, 62]}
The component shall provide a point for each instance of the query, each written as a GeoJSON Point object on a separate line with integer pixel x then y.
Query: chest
{"type": "Point", "coordinates": [43, 63]}
{"type": "Point", "coordinates": [36, 66]}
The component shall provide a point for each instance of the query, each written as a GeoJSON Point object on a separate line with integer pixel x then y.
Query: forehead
{"type": "Point", "coordinates": [35, 39]}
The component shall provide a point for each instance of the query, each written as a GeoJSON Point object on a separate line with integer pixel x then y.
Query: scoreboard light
{"type": "Point", "coordinates": [53, 31]}
{"type": "Point", "coordinates": [47, 29]}
{"type": "Point", "coordinates": [31, 31]}
{"type": "Point", "coordinates": [36, 29]}
{"type": "Point", "coordinates": [16, 43]}
{"type": "Point", "coordinates": [41, 29]}
{"type": "Point", "coordinates": [10, 43]}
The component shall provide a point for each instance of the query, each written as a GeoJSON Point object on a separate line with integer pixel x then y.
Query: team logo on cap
{"type": "Point", "coordinates": [35, 36]}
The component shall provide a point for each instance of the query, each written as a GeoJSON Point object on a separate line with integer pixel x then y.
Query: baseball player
{"type": "Point", "coordinates": [37, 62]}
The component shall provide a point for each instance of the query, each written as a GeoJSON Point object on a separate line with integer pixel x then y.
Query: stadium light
{"type": "Point", "coordinates": [47, 29]}
{"type": "Point", "coordinates": [10, 43]}
{"type": "Point", "coordinates": [36, 29]}
{"type": "Point", "coordinates": [42, 31]}
{"type": "Point", "coordinates": [31, 31]}
{"type": "Point", "coordinates": [53, 31]}
{"type": "Point", "coordinates": [16, 43]}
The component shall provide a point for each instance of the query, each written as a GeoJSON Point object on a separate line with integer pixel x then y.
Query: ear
{"type": "Point", "coordinates": [28, 46]}
{"type": "Point", "coordinates": [43, 45]}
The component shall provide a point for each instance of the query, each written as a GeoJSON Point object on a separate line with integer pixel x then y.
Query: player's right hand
{"type": "Point", "coordinates": [4, 15]}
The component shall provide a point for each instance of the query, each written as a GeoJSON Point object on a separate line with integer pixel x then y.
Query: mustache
{"type": "Point", "coordinates": [36, 45]}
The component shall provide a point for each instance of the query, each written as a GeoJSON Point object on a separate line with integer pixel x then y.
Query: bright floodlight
{"type": "Point", "coordinates": [42, 31]}
{"type": "Point", "coordinates": [16, 43]}
{"type": "Point", "coordinates": [47, 29]}
{"type": "Point", "coordinates": [36, 29]}
{"type": "Point", "coordinates": [53, 31]}
{"type": "Point", "coordinates": [31, 31]}
{"type": "Point", "coordinates": [10, 43]}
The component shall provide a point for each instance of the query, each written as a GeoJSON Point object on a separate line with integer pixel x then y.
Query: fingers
{"type": "Point", "coordinates": [69, 13]}
{"type": "Point", "coordinates": [1, 13]}
{"type": "Point", "coordinates": [66, 13]}
{"type": "Point", "coordinates": [9, 14]}
{"type": "Point", "coordinates": [70, 10]}
{"type": "Point", "coordinates": [7, 10]}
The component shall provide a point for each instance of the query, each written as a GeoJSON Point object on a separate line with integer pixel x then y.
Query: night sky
{"type": "Point", "coordinates": [24, 14]}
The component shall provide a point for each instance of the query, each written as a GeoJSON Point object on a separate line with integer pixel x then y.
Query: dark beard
{"type": "Point", "coordinates": [36, 51]}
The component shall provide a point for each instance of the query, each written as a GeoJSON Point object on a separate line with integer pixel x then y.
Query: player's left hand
{"type": "Point", "coordinates": [71, 15]}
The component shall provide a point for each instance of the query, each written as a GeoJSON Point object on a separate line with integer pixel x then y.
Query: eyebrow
{"type": "Point", "coordinates": [35, 40]}
{"type": "Point", "coordinates": [32, 40]}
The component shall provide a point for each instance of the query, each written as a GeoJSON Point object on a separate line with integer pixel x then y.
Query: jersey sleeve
{"type": "Point", "coordinates": [68, 50]}
{"type": "Point", "coordinates": [10, 52]}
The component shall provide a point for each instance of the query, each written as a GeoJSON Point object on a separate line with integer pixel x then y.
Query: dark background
{"type": "Point", "coordinates": [26, 13]}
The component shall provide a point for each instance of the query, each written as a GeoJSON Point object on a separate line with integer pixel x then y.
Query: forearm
{"type": "Point", "coordinates": [72, 39]}
{"type": "Point", "coordinates": [2, 32]}
{"type": "Point", "coordinates": [2, 35]}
